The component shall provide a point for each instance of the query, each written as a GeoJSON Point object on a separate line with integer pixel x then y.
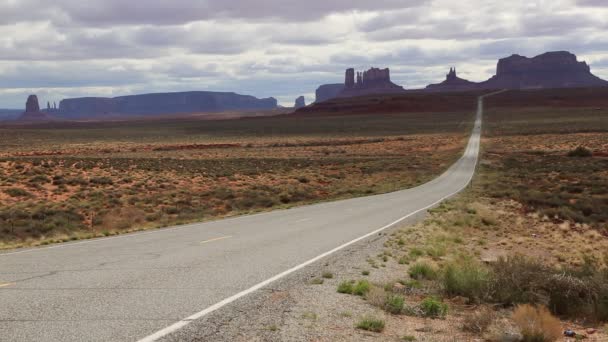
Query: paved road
{"type": "Point", "coordinates": [130, 287]}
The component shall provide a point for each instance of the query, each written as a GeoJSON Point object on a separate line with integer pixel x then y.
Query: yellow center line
{"type": "Point", "coordinates": [215, 239]}
{"type": "Point", "coordinates": [6, 284]}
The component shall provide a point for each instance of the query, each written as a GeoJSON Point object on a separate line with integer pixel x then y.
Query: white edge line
{"type": "Point", "coordinates": [215, 239]}
{"type": "Point", "coordinates": [182, 323]}
{"type": "Point", "coordinates": [177, 326]}
{"type": "Point", "coordinates": [168, 229]}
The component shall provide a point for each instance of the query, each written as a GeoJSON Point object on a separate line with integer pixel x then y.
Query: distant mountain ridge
{"type": "Point", "coordinates": [9, 114]}
{"type": "Point", "coordinates": [161, 104]}
{"type": "Point", "coordinates": [557, 69]}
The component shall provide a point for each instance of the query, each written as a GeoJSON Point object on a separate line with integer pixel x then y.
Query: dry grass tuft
{"type": "Point", "coordinates": [376, 296]}
{"type": "Point", "coordinates": [537, 324]}
{"type": "Point", "coordinates": [479, 320]}
{"type": "Point", "coordinates": [123, 218]}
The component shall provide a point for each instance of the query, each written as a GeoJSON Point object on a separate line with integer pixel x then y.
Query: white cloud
{"type": "Point", "coordinates": [281, 48]}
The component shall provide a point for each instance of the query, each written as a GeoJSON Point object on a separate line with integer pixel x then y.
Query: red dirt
{"type": "Point", "coordinates": [193, 147]}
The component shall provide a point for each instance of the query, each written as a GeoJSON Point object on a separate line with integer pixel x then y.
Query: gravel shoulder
{"type": "Point", "coordinates": [295, 308]}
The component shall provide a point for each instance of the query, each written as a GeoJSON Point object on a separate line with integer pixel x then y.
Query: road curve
{"type": "Point", "coordinates": [141, 287]}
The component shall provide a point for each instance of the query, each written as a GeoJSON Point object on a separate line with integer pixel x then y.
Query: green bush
{"type": "Point", "coordinates": [17, 192]}
{"type": "Point", "coordinates": [433, 307]}
{"type": "Point", "coordinates": [361, 288]}
{"type": "Point", "coordinates": [581, 152]}
{"type": "Point", "coordinates": [412, 284]}
{"type": "Point", "coordinates": [317, 281]}
{"type": "Point", "coordinates": [416, 253]}
{"type": "Point", "coordinates": [436, 251]}
{"type": "Point", "coordinates": [75, 181]}
{"type": "Point", "coordinates": [422, 270]}
{"type": "Point", "coordinates": [394, 304]}
{"type": "Point", "coordinates": [39, 179]}
{"type": "Point", "coordinates": [345, 287]}
{"type": "Point", "coordinates": [38, 221]}
{"type": "Point", "coordinates": [467, 278]}
{"type": "Point", "coordinates": [101, 181]}
{"type": "Point", "coordinates": [371, 324]}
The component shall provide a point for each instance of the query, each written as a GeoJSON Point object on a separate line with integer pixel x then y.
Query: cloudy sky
{"type": "Point", "coordinates": [280, 48]}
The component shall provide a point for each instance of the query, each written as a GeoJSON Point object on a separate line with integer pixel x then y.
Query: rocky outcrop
{"type": "Point", "coordinates": [32, 110]}
{"type": "Point", "coordinates": [328, 92]}
{"type": "Point", "coordinates": [372, 81]}
{"type": "Point", "coordinates": [349, 81]}
{"type": "Point", "coordinates": [162, 104]}
{"type": "Point", "coordinates": [32, 105]}
{"type": "Point", "coordinates": [51, 109]}
{"type": "Point", "coordinates": [559, 69]}
{"type": "Point", "coordinates": [452, 83]}
{"type": "Point", "coordinates": [300, 102]}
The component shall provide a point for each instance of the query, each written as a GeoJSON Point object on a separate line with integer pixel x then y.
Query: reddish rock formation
{"type": "Point", "coordinates": [32, 111]}
{"type": "Point", "coordinates": [32, 105]}
{"type": "Point", "coordinates": [350, 78]}
{"type": "Point", "coordinates": [300, 102]}
{"type": "Point", "coordinates": [372, 81]}
{"type": "Point", "coordinates": [559, 69]}
{"type": "Point", "coordinates": [452, 83]}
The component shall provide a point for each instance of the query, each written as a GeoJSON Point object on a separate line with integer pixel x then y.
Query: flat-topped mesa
{"type": "Point", "coordinates": [328, 91]}
{"type": "Point", "coordinates": [372, 81]}
{"type": "Point", "coordinates": [552, 62]}
{"type": "Point", "coordinates": [557, 69]}
{"type": "Point", "coordinates": [375, 75]}
{"type": "Point", "coordinates": [158, 104]}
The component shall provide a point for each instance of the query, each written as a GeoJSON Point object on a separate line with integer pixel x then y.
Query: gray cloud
{"type": "Point", "coordinates": [280, 48]}
{"type": "Point", "coordinates": [161, 12]}
{"type": "Point", "coordinates": [592, 3]}
{"type": "Point", "coordinates": [73, 74]}
{"type": "Point", "coordinates": [489, 19]}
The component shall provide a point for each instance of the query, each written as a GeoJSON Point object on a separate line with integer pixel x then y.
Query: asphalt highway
{"type": "Point", "coordinates": [143, 286]}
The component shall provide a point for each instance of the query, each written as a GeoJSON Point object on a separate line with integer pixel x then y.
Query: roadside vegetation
{"type": "Point", "coordinates": [522, 255]}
